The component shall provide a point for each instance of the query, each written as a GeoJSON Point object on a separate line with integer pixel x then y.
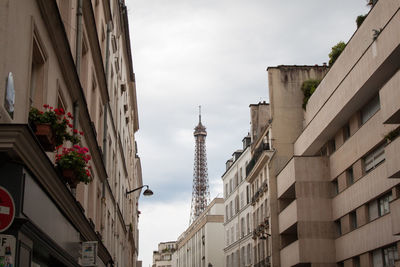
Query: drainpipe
{"type": "Point", "coordinates": [107, 70]}
{"type": "Point", "coordinates": [78, 51]}
{"type": "Point", "coordinates": [105, 129]}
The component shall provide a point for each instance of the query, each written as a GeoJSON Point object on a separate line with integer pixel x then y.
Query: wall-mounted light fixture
{"type": "Point", "coordinates": [146, 192]}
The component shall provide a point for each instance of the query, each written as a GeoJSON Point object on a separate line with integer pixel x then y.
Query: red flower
{"type": "Point", "coordinates": [75, 131]}
{"type": "Point", "coordinates": [81, 133]}
{"type": "Point", "coordinates": [45, 106]}
{"type": "Point", "coordinates": [62, 111]}
{"type": "Point", "coordinates": [70, 125]}
{"type": "Point", "coordinates": [51, 107]}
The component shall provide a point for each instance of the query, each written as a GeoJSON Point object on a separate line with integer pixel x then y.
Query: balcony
{"type": "Point", "coordinates": [395, 214]}
{"type": "Point", "coordinates": [288, 217]}
{"type": "Point", "coordinates": [256, 156]}
{"type": "Point", "coordinates": [389, 96]}
{"type": "Point", "coordinates": [290, 255]}
{"type": "Point", "coordinates": [392, 151]}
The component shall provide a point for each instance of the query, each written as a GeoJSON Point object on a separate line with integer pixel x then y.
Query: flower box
{"type": "Point", "coordinates": [71, 177]}
{"type": "Point", "coordinates": [46, 136]}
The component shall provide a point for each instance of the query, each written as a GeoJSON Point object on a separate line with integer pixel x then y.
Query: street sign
{"type": "Point", "coordinates": [89, 253]}
{"type": "Point", "coordinates": [7, 250]}
{"type": "Point", "coordinates": [7, 209]}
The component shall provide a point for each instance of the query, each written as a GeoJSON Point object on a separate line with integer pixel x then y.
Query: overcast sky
{"type": "Point", "coordinates": [212, 53]}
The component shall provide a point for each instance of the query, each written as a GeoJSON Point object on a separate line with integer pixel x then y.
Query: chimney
{"type": "Point", "coordinates": [259, 117]}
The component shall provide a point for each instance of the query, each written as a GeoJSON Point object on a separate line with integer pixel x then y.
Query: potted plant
{"type": "Point", "coordinates": [51, 127]}
{"type": "Point", "coordinates": [73, 163]}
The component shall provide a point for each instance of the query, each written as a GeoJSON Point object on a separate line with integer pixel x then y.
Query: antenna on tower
{"type": "Point", "coordinates": [200, 114]}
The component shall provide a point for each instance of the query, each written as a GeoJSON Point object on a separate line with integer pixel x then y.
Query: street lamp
{"type": "Point", "coordinates": [146, 192]}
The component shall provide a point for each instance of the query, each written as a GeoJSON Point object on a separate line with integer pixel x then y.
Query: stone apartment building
{"type": "Point", "coordinates": [274, 127]}
{"type": "Point", "coordinates": [238, 211]}
{"type": "Point", "coordinates": [163, 256]}
{"type": "Point", "coordinates": [332, 170]}
{"type": "Point", "coordinates": [201, 245]}
{"type": "Point", "coordinates": [75, 56]}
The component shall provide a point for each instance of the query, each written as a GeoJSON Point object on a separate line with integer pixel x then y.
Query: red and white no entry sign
{"type": "Point", "coordinates": [7, 209]}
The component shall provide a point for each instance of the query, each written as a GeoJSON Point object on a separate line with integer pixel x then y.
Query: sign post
{"type": "Point", "coordinates": [7, 209]}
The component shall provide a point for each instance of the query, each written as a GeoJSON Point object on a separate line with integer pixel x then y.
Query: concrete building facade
{"type": "Point", "coordinates": [238, 211]}
{"type": "Point", "coordinates": [338, 196]}
{"type": "Point", "coordinates": [163, 256]}
{"type": "Point", "coordinates": [73, 55]}
{"type": "Point", "coordinates": [201, 245]}
{"type": "Point", "coordinates": [332, 169]}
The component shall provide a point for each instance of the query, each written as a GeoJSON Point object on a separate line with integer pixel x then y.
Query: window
{"type": "Point", "coordinates": [353, 220]}
{"type": "Point", "coordinates": [335, 187]}
{"type": "Point", "coordinates": [346, 132]}
{"type": "Point", "coordinates": [242, 227]}
{"type": "Point", "coordinates": [370, 109]}
{"type": "Point", "coordinates": [338, 227]}
{"type": "Point", "coordinates": [374, 158]}
{"type": "Point", "coordinates": [37, 82]}
{"type": "Point", "coordinates": [248, 223]}
{"type": "Point", "coordinates": [226, 213]}
{"type": "Point", "coordinates": [385, 257]}
{"type": "Point", "coordinates": [379, 206]}
{"type": "Point", "coordinates": [226, 190]}
{"type": "Point", "coordinates": [331, 146]}
{"type": "Point", "coordinates": [247, 194]}
{"type": "Point", "coordinates": [356, 261]}
{"type": "Point", "coordinates": [350, 176]}
{"type": "Point", "coordinates": [390, 255]}
{"type": "Point", "coordinates": [383, 202]}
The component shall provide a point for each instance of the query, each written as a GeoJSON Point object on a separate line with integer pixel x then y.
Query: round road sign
{"type": "Point", "coordinates": [7, 209]}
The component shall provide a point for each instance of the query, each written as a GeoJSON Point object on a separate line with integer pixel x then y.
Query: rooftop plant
{"type": "Point", "coordinates": [360, 19]}
{"type": "Point", "coordinates": [308, 87]}
{"type": "Point", "coordinates": [336, 51]}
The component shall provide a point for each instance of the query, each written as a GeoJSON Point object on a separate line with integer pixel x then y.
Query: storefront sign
{"type": "Point", "coordinates": [7, 210]}
{"type": "Point", "coordinates": [89, 253]}
{"type": "Point", "coordinates": [7, 250]}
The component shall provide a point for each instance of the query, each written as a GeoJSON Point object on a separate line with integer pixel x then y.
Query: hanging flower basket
{"type": "Point", "coordinates": [46, 136]}
{"type": "Point", "coordinates": [73, 163]}
{"type": "Point", "coordinates": [71, 177]}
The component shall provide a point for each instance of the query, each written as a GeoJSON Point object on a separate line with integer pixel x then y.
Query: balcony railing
{"type": "Point", "coordinates": [256, 156]}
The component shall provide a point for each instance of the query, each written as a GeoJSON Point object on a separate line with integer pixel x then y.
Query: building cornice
{"type": "Point", "coordinates": [265, 156]}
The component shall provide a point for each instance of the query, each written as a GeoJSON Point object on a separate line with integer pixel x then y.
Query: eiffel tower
{"type": "Point", "coordinates": [200, 193]}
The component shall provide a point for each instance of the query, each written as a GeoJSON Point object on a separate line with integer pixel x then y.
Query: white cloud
{"type": "Point", "coordinates": [160, 222]}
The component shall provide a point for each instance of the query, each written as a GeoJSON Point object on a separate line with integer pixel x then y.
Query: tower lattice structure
{"type": "Point", "coordinates": [200, 192]}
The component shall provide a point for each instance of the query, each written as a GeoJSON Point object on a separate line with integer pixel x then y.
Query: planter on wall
{"type": "Point", "coordinates": [71, 177]}
{"type": "Point", "coordinates": [46, 136]}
